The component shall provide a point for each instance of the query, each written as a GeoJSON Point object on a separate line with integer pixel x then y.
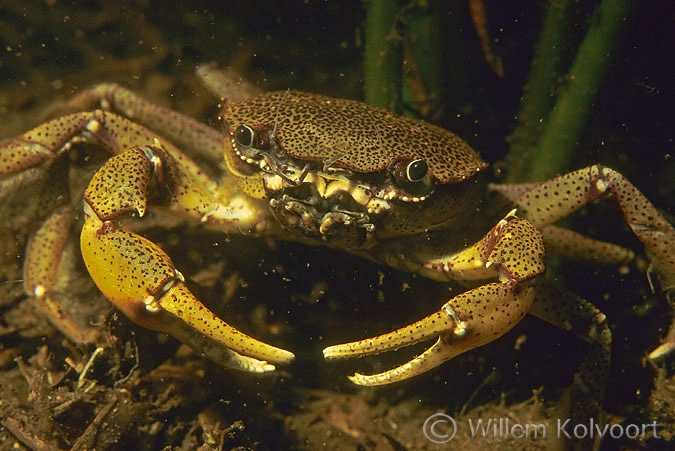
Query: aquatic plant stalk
{"type": "Point", "coordinates": [382, 64]}
{"type": "Point", "coordinates": [538, 95]}
{"type": "Point", "coordinates": [566, 120]}
{"type": "Point", "coordinates": [423, 66]}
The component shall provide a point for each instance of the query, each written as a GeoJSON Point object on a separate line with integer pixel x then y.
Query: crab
{"type": "Point", "coordinates": [321, 171]}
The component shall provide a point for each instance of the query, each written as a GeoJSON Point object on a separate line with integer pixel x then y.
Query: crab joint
{"type": "Point", "coordinates": [460, 326]}
{"type": "Point", "coordinates": [152, 304]}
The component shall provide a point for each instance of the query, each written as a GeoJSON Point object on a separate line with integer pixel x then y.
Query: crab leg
{"type": "Point", "coordinates": [565, 310]}
{"type": "Point", "coordinates": [546, 203]}
{"type": "Point", "coordinates": [44, 259]}
{"type": "Point", "coordinates": [139, 278]}
{"type": "Point", "coordinates": [513, 251]}
{"type": "Point", "coordinates": [181, 130]}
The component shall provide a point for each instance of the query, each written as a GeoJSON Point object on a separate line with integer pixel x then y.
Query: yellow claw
{"type": "Point", "coordinates": [140, 279]}
{"type": "Point", "coordinates": [466, 322]}
{"type": "Point", "coordinates": [512, 250]}
{"type": "Point", "coordinates": [424, 329]}
{"type": "Point", "coordinates": [470, 319]}
{"type": "Point", "coordinates": [431, 358]}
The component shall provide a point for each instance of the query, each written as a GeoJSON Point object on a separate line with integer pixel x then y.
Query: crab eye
{"type": "Point", "coordinates": [244, 135]}
{"type": "Point", "coordinates": [409, 171]}
{"type": "Point", "coordinates": [256, 137]}
{"type": "Point", "coordinates": [416, 170]}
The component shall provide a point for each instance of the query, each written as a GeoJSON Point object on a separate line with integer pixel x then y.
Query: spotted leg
{"type": "Point", "coordinates": [546, 203]}
{"type": "Point", "coordinates": [185, 132]}
{"type": "Point", "coordinates": [568, 311]}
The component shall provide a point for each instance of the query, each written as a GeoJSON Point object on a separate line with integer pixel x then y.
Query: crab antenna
{"type": "Point", "coordinates": [276, 115]}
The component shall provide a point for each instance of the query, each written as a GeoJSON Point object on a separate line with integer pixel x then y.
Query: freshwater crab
{"type": "Point", "coordinates": [324, 171]}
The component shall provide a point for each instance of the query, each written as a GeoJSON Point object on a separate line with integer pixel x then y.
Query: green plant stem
{"type": "Point", "coordinates": [382, 65]}
{"type": "Point", "coordinates": [566, 121]}
{"type": "Point", "coordinates": [423, 73]}
{"type": "Point", "coordinates": [538, 96]}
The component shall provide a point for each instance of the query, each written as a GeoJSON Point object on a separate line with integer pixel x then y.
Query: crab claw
{"type": "Point", "coordinates": [471, 319]}
{"type": "Point", "coordinates": [467, 321]}
{"type": "Point", "coordinates": [140, 279]}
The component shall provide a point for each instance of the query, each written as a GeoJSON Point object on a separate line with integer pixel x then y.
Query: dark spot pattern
{"type": "Point", "coordinates": [120, 186]}
{"type": "Point", "coordinates": [362, 138]}
{"type": "Point", "coordinates": [44, 250]}
{"type": "Point", "coordinates": [519, 250]}
{"type": "Point", "coordinates": [550, 201]}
